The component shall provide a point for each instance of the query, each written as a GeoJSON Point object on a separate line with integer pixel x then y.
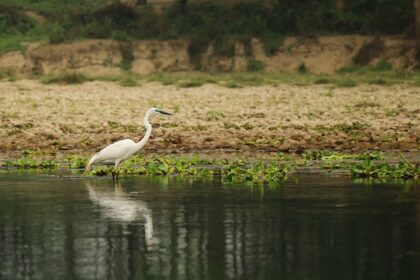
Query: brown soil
{"type": "Point", "coordinates": [267, 119]}
{"type": "Point", "coordinates": [324, 54]}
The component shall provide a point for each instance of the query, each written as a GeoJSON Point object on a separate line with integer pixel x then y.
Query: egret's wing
{"type": "Point", "coordinates": [117, 150]}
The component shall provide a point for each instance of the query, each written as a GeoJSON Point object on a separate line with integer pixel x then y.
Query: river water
{"type": "Point", "coordinates": [310, 227]}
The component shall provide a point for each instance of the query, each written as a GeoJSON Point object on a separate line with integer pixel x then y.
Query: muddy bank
{"type": "Point", "coordinates": [208, 119]}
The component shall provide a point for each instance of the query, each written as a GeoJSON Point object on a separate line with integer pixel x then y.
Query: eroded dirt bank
{"type": "Point", "coordinates": [324, 54]}
{"type": "Point", "coordinates": [84, 118]}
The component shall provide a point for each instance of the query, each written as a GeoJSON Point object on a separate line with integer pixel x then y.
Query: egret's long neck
{"type": "Point", "coordinates": [148, 127]}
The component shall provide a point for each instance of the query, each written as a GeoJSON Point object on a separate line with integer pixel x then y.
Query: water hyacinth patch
{"type": "Point", "coordinates": [29, 163]}
{"type": "Point", "coordinates": [229, 171]}
{"type": "Point", "coordinates": [370, 169]}
{"type": "Point", "coordinates": [269, 171]}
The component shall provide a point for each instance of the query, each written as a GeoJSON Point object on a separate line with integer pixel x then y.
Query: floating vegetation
{"type": "Point", "coordinates": [383, 170]}
{"type": "Point", "coordinates": [229, 171]}
{"type": "Point", "coordinates": [363, 165]}
{"type": "Point", "coordinates": [331, 155]}
{"type": "Point", "coordinates": [29, 163]}
{"type": "Point", "coordinates": [77, 162]}
{"type": "Point", "coordinates": [257, 172]}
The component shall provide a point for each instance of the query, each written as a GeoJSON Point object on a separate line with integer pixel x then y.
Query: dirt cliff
{"type": "Point", "coordinates": [107, 57]}
{"type": "Point", "coordinates": [319, 55]}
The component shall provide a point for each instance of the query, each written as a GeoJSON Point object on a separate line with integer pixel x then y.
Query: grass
{"type": "Point", "coordinates": [189, 84]}
{"type": "Point", "coordinates": [366, 104]}
{"type": "Point", "coordinates": [65, 78]}
{"type": "Point", "coordinates": [345, 82]}
{"type": "Point", "coordinates": [128, 81]}
{"type": "Point", "coordinates": [18, 42]}
{"type": "Point", "coordinates": [239, 80]}
{"type": "Point", "coordinates": [214, 115]}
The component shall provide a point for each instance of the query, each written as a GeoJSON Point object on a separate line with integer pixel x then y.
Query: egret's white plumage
{"type": "Point", "coordinates": [119, 151]}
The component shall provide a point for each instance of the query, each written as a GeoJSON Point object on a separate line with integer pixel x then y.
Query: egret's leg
{"type": "Point", "coordinates": [116, 170]}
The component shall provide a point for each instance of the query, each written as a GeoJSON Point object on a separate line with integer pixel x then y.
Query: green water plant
{"type": "Point", "coordinates": [76, 161]}
{"type": "Point", "coordinates": [384, 170]}
{"type": "Point", "coordinates": [228, 170]}
{"type": "Point", "coordinates": [255, 172]}
{"type": "Point", "coordinates": [371, 165]}
{"type": "Point", "coordinates": [339, 160]}
{"type": "Point", "coordinates": [30, 163]}
{"type": "Point", "coordinates": [333, 155]}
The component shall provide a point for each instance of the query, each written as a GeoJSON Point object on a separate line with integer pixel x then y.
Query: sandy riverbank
{"type": "Point", "coordinates": [208, 119]}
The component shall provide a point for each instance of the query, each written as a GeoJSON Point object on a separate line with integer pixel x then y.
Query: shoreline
{"type": "Point", "coordinates": [367, 165]}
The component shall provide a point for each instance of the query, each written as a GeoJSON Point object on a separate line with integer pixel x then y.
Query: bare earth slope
{"type": "Point", "coordinates": [84, 118]}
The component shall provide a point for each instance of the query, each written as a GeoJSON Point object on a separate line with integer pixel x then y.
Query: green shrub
{"type": "Point", "coordinates": [13, 20]}
{"type": "Point", "coordinates": [66, 78]}
{"type": "Point", "coordinates": [127, 56]}
{"type": "Point", "coordinates": [382, 65]}
{"type": "Point", "coordinates": [302, 69]}
{"type": "Point", "coordinates": [119, 35]}
{"type": "Point", "coordinates": [345, 83]}
{"type": "Point", "coordinates": [271, 43]}
{"type": "Point", "coordinates": [57, 35]}
{"type": "Point", "coordinates": [255, 65]}
{"type": "Point", "coordinates": [190, 84]}
{"type": "Point", "coordinates": [321, 81]}
{"type": "Point", "coordinates": [128, 82]}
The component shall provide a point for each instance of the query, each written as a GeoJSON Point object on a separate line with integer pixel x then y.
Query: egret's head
{"type": "Point", "coordinates": [157, 110]}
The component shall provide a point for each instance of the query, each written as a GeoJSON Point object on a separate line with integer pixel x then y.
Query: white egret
{"type": "Point", "coordinates": [119, 151]}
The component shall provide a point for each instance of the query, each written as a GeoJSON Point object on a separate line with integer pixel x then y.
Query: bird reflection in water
{"type": "Point", "coordinates": [116, 205]}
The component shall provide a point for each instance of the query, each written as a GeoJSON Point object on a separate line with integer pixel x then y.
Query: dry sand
{"type": "Point", "coordinates": [208, 119]}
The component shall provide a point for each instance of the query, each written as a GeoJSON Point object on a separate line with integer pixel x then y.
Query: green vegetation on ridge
{"type": "Point", "coordinates": [201, 22]}
{"type": "Point", "coordinates": [363, 75]}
